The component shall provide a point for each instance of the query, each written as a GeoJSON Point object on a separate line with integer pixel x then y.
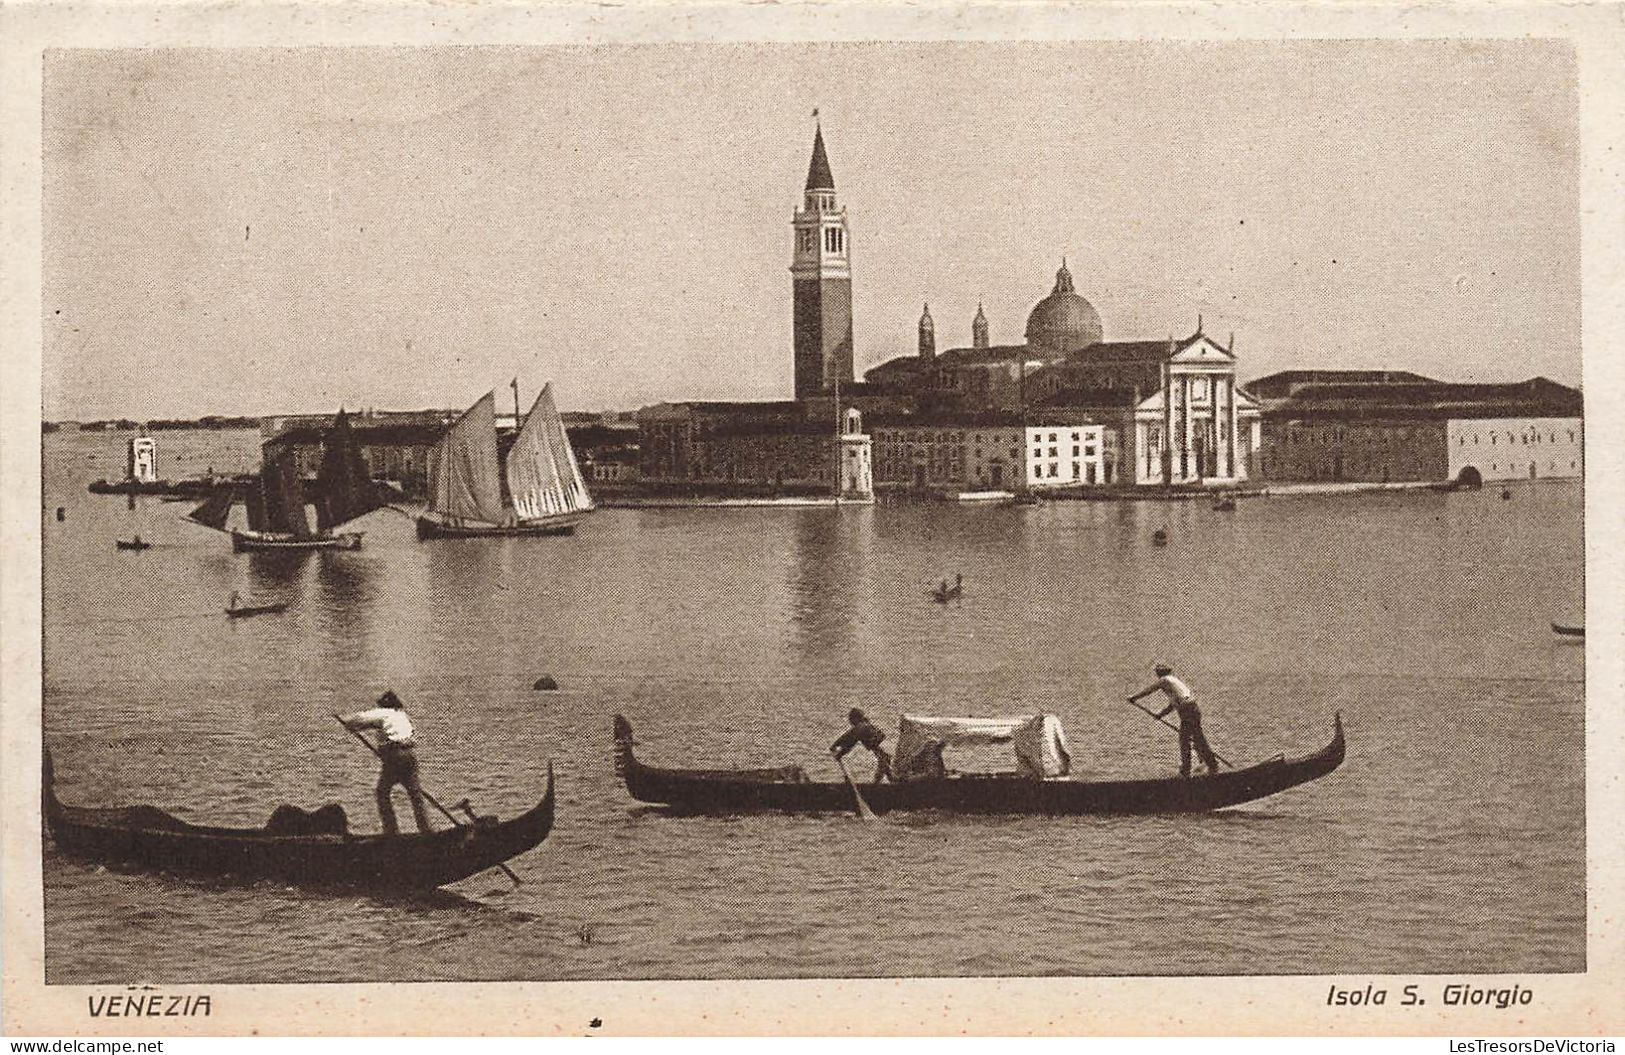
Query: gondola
{"type": "Point", "coordinates": [135, 543]}
{"type": "Point", "coordinates": [235, 612]}
{"type": "Point", "coordinates": [1568, 631]}
{"type": "Point", "coordinates": [788, 789]}
{"type": "Point", "coordinates": [297, 847]}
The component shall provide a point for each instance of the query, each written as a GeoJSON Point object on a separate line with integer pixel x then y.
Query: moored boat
{"type": "Point", "coordinates": [1567, 630]}
{"type": "Point", "coordinates": [133, 544]}
{"type": "Point", "coordinates": [298, 847]}
{"type": "Point", "coordinates": [275, 500]}
{"type": "Point", "coordinates": [537, 490]}
{"type": "Point", "coordinates": [1043, 785]}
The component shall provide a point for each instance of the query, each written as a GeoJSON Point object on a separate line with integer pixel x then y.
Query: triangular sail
{"type": "Point", "coordinates": [283, 493]}
{"type": "Point", "coordinates": [542, 474]}
{"type": "Point", "coordinates": [345, 490]}
{"type": "Point", "coordinates": [254, 504]}
{"type": "Point", "coordinates": [215, 509]}
{"type": "Point", "coordinates": [463, 469]}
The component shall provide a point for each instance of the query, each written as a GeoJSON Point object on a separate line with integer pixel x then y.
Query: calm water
{"type": "Point", "coordinates": [1451, 840]}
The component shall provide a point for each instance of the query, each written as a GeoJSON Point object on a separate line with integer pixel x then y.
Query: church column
{"type": "Point", "coordinates": [1234, 445]}
{"type": "Point", "coordinates": [1189, 454]}
{"type": "Point", "coordinates": [1166, 453]}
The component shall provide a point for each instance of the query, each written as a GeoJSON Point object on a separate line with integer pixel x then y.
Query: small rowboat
{"type": "Point", "coordinates": [135, 544]}
{"type": "Point", "coordinates": [1568, 631]}
{"type": "Point", "coordinates": [235, 612]}
{"type": "Point", "coordinates": [297, 847]}
{"type": "Point", "coordinates": [787, 789]}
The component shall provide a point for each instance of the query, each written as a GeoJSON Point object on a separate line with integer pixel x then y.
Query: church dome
{"type": "Point", "coordinates": [1063, 321]}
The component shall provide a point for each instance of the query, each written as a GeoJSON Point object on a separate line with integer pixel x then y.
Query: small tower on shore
{"type": "Point", "coordinates": [978, 328]}
{"type": "Point", "coordinates": [141, 463]}
{"type": "Point", "coordinates": [928, 335]}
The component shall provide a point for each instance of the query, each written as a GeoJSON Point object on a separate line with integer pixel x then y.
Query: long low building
{"type": "Point", "coordinates": [993, 452]}
{"type": "Point", "coordinates": [1429, 431]}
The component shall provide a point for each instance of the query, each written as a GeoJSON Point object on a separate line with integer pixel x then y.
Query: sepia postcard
{"type": "Point", "coordinates": [813, 518]}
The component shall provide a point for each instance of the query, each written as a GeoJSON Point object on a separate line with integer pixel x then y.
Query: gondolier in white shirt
{"type": "Point", "coordinates": [1183, 700]}
{"type": "Point", "coordinates": [398, 750]}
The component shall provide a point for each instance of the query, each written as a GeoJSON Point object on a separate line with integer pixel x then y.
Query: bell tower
{"type": "Point", "coordinates": [821, 272]}
{"type": "Point", "coordinates": [928, 335]}
{"type": "Point", "coordinates": [978, 328]}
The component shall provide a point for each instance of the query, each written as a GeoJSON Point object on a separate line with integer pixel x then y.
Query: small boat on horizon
{"type": "Point", "coordinates": [474, 493]}
{"type": "Point", "coordinates": [295, 846]}
{"type": "Point", "coordinates": [240, 611]}
{"type": "Point", "coordinates": [1568, 630]}
{"type": "Point", "coordinates": [133, 544]}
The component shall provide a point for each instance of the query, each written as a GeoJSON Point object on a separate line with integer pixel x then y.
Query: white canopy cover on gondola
{"type": "Point", "coordinates": [1039, 742]}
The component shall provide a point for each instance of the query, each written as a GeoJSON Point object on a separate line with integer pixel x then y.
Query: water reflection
{"type": "Point", "coordinates": [346, 593]}
{"type": "Point", "coordinates": [273, 571]}
{"type": "Point", "coordinates": [829, 582]}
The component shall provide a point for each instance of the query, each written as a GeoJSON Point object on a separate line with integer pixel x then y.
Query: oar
{"type": "Point", "coordinates": [863, 807]}
{"type": "Point", "coordinates": [450, 816]}
{"type": "Point", "coordinates": [1175, 728]}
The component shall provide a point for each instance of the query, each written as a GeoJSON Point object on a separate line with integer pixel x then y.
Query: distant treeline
{"type": "Point", "coordinates": [208, 421]}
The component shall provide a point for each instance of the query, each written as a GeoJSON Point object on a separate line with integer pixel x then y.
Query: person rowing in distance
{"type": "Point", "coordinates": [1183, 700]}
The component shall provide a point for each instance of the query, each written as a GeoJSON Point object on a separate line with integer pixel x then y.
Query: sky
{"type": "Point", "coordinates": [256, 231]}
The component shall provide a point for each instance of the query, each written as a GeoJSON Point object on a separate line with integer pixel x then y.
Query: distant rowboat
{"type": "Point", "coordinates": [1568, 631]}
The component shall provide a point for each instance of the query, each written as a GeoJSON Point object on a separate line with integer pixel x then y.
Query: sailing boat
{"type": "Point", "coordinates": [546, 494]}
{"type": "Point", "coordinates": [276, 499]}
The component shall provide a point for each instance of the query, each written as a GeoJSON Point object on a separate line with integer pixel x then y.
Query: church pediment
{"type": "Point", "coordinates": [1203, 350]}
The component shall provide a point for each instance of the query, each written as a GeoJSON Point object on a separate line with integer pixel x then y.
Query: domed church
{"type": "Point", "coordinates": [1172, 408]}
{"type": "Point", "coordinates": [1062, 322]}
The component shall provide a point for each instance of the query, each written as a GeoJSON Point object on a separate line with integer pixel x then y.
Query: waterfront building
{"type": "Point", "coordinates": [766, 444]}
{"type": "Point", "coordinates": [1173, 408]}
{"type": "Point", "coordinates": [1390, 431]}
{"type": "Point", "coordinates": [395, 447]}
{"type": "Point", "coordinates": [1178, 411]}
{"type": "Point", "coordinates": [993, 451]}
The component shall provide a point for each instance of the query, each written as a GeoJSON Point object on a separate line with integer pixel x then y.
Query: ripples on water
{"type": "Point", "coordinates": [1451, 839]}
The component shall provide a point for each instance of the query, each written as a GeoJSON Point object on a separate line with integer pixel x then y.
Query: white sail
{"type": "Point", "coordinates": [543, 477]}
{"type": "Point", "coordinates": [463, 481]}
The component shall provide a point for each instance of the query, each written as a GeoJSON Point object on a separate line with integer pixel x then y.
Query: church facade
{"type": "Point", "coordinates": [1173, 410]}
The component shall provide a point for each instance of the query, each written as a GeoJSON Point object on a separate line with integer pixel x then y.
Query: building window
{"type": "Point", "coordinates": [1075, 448]}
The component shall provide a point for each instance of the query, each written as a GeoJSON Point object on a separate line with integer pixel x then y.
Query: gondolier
{"type": "Point", "coordinates": [1183, 700]}
{"type": "Point", "coordinates": [868, 734]}
{"type": "Point", "coordinates": [398, 750]}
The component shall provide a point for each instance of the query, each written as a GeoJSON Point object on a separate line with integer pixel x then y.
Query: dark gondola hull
{"type": "Point", "coordinates": [257, 609]}
{"type": "Point", "coordinates": [697, 791]}
{"type": "Point", "coordinates": [267, 541]}
{"type": "Point", "coordinates": [147, 838]}
{"type": "Point", "coordinates": [122, 544]}
{"type": "Point", "coordinates": [563, 524]}
{"type": "Point", "coordinates": [1568, 631]}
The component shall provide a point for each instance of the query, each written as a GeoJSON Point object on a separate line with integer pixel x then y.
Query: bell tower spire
{"type": "Point", "coordinates": [821, 275]}
{"type": "Point", "coordinates": [978, 328]}
{"type": "Point", "coordinates": [928, 335]}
